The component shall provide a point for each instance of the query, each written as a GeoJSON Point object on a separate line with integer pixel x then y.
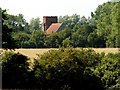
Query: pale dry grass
{"type": "Point", "coordinates": [32, 53]}
{"type": "Point", "coordinates": [106, 50]}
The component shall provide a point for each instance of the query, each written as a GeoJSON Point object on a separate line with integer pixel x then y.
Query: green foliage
{"type": "Point", "coordinates": [37, 38]}
{"type": "Point", "coordinates": [101, 30]}
{"type": "Point", "coordinates": [7, 40]}
{"type": "Point", "coordinates": [80, 35]}
{"type": "Point", "coordinates": [107, 18]}
{"type": "Point", "coordinates": [18, 23]}
{"type": "Point", "coordinates": [70, 21]}
{"type": "Point", "coordinates": [109, 71]}
{"type": "Point", "coordinates": [66, 42]}
{"type": "Point", "coordinates": [67, 68]}
{"type": "Point", "coordinates": [35, 24]}
{"type": "Point", "coordinates": [115, 15]}
{"type": "Point", "coordinates": [21, 38]}
{"type": "Point", "coordinates": [15, 70]}
{"type": "Point", "coordinates": [52, 41]}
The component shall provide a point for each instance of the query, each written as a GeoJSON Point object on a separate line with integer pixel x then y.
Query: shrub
{"type": "Point", "coordinates": [109, 71]}
{"type": "Point", "coordinates": [64, 69]}
{"type": "Point", "coordinates": [15, 70]}
{"type": "Point", "coordinates": [67, 69]}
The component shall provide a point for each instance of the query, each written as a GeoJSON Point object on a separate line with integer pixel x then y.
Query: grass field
{"type": "Point", "coordinates": [32, 53]}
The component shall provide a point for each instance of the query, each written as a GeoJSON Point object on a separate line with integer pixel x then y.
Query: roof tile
{"type": "Point", "coordinates": [53, 28]}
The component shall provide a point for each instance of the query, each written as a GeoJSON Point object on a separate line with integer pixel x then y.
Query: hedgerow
{"type": "Point", "coordinates": [62, 69]}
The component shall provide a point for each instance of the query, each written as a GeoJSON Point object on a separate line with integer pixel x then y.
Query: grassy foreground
{"type": "Point", "coordinates": [32, 53]}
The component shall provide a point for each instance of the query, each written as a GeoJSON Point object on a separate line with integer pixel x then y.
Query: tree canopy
{"type": "Point", "coordinates": [99, 30]}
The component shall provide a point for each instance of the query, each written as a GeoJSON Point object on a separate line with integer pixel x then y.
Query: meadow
{"type": "Point", "coordinates": [32, 53]}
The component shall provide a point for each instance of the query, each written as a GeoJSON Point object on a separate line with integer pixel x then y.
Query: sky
{"type": "Point", "coordinates": [39, 8]}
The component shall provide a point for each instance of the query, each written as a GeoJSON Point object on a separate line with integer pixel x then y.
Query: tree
{"type": "Point", "coordinates": [35, 24]}
{"type": "Point", "coordinates": [21, 38]}
{"type": "Point", "coordinates": [70, 21]}
{"type": "Point", "coordinates": [107, 23]}
{"type": "Point", "coordinates": [83, 20]}
{"type": "Point", "coordinates": [115, 15]}
{"type": "Point", "coordinates": [104, 20]}
{"type": "Point", "coordinates": [92, 39]}
{"type": "Point", "coordinates": [7, 40]}
{"type": "Point", "coordinates": [37, 38]}
{"type": "Point", "coordinates": [18, 23]}
{"type": "Point", "coordinates": [82, 32]}
{"type": "Point", "coordinates": [114, 0]}
{"type": "Point", "coordinates": [67, 42]}
{"type": "Point", "coordinates": [52, 41]}
{"type": "Point", "coordinates": [75, 38]}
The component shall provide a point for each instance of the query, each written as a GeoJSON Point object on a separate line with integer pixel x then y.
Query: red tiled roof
{"type": "Point", "coordinates": [53, 28]}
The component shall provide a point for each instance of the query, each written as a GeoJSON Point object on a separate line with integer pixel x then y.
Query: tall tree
{"type": "Point", "coordinates": [104, 20]}
{"type": "Point", "coordinates": [107, 23]}
{"type": "Point", "coordinates": [7, 40]}
{"type": "Point", "coordinates": [115, 15]}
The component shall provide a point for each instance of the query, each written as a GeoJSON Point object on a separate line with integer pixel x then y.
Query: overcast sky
{"type": "Point", "coordinates": [39, 8]}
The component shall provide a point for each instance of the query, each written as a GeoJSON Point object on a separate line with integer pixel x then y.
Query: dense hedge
{"type": "Point", "coordinates": [63, 69]}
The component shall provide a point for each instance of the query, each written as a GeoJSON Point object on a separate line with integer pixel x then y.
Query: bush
{"type": "Point", "coordinates": [15, 70]}
{"type": "Point", "coordinates": [109, 71]}
{"type": "Point", "coordinates": [67, 69]}
{"type": "Point", "coordinates": [64, 69]}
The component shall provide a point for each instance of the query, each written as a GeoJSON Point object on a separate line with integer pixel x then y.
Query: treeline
{"type": "Point", "coordinates": [102, 29]}
{"type": "Point", "coordinates": [63, 69]}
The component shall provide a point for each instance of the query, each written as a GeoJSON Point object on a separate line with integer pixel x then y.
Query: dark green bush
{"type": "Point", "coordinates": [15, 70]}
{"type": "Point", "coordinates": [67, 69]}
